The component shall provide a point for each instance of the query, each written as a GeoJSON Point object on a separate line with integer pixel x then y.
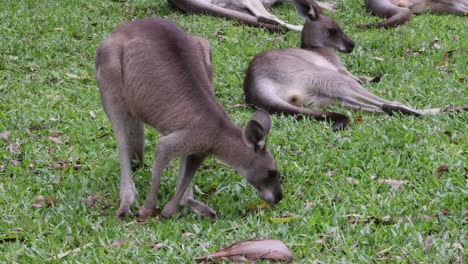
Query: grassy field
{"type": "Point", "coordinates": [59, 170]}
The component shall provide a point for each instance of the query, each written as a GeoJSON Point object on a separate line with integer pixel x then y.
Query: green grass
{"type": "Point", "coordinates": [43, 41]}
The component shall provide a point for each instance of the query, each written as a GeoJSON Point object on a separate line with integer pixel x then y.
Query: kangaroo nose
{"type": "Point", "coordinates": [350, 46]}
{"type": "Point", "coordinates": [278, 198]}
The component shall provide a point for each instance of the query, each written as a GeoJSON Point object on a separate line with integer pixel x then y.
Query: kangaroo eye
{"type": "Point", "coordinates": [332, 31]}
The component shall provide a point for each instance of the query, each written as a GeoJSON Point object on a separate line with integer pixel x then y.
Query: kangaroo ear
{"type": "Point", "coordinates": [308, 9]}
{"type": "Point", "coordinates": [256, 132]}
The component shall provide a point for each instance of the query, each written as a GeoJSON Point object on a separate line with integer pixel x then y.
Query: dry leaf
{"type": "Point", "coordinates": [187, 234]}
{"type": "Point", "coordinates": [118, 243]}
{"type": "Point", "coordinates": [59, 28]}
{"type": "Point", "coordinates": [237, 106]}
{"type": "Point", "coordinates": [359, 119]}
{"type": "Point", "coordinates": [91, 201]}
{"type": "Point", "coordinates": [441, 169]}
{"type": "Point", "coordinates": [427, 244]}
{"type": "Point", "coordinates": [216, 32]}
{"type": "Point", "coordinates": [68, 252]}
{"type": "Point", "coordinates": [396, 184]}
{"type": "Point", "coordinates": [445, 211]}
{"type": "Point", "coordinates": [73, 76]}
{"type": "Point", "coordinates": [330, 173]}
{"type": "Point", "coordinates": [31, 134]}
{"type": "Point", "coordinates": [377, 58]}
{"type": "Point", "coordinates": [308, 206]}
{"type": "Point", "coordinates": [92, 114]}
{"type": "Point", "coordinates": [55, 138]}
{"type": "Point", "coordinates": [352, 181]}
{"type": "Point", "coordinates": [446, 59]}
{"type": "Point", "coordinates": [44, 202]}
{"type": "Point", "coordinates": [251, 250]}
{"type": "Point", "coordinates": [282, 219]}
{"type": "Point", "coordinates": [435, 43]}
{"type": "Point", "coordinates": [6, 136]}
{"type": "Point", "coordinates": [15, 162]}
{"type": "Point", "coordinates": [157, 246]}
{"type": "Point", "coordinates": [15, 148]}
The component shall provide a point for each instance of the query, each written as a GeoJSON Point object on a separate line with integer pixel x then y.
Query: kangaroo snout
{"type": "Point", "coordinates": [271, 197]}
{"type": "Point", "coordinates": [349, 46]}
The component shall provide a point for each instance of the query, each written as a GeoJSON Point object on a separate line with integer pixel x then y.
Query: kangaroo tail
{"type": "Point", "coordinates": [390, 109]}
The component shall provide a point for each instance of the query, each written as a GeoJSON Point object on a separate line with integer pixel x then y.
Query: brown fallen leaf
{"type": "Point", "coordinates": [15, 162]}
{"type": "Point", "coordinates": [396, 184]}
{"type": "Point", "coordinates": [59, 28]}
{"type": "Point", "coordinates": [14, 147]}
{"type": "Point", "coordinates": [92, 114]}
{"type": "Point", "coordinates": [251, 250]}
{"type": "Point", "coordinates": [55, 138]}
{"type": "Point", "coordinates": [73, 76]}
{"type": "Point", "coordinates": [435, 43]}
{"type": "Point", "coordinates": [441, 169]}
{"type": "Point", "coordinates": [68, 252]}
{"type": "Point", "coordinates": [30, 133]}
{"type": "Point", "coordinates": [187, 234]}
{"type": "Point", "coordinates": [308, 206]}
{"type": "Point", "coordinates": [352, 181]}
{"type": "Point", "coordinates": [427, 244]}
{"type": "Point", "coordinates": [6, 136]}
{"type": "Point", "coordinates": [216, 32]}
{"type": "Point", "coordinates": [445, 211]}
{"type": "Point", "coordinates": [44, 202]}
{"type": "Point", "coordinates": [118, 243]}
{"type": "Point", "coordinates": [157, 246]}
{"type": "Point", "coordinates": [92, 200]}
{"type": "Point", "coordinates": [359, 119]}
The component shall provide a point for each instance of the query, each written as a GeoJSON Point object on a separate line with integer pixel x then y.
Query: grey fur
{"type": "Point", "coordinates": [398, 12]}
{"type": "Point", "coordinates": [285, 80]}
{"type": "Point", "coordinates": [151, 72]}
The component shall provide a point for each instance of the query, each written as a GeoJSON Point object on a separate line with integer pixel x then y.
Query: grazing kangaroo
{"type": "Point", "coordinates": [250, 12]}
{"type": "Point", "coordinates": [399, 12]}
{"type": "Point", "coordinates": [150, 71]}
{"type": "Point", "coordinates": [282, 81]}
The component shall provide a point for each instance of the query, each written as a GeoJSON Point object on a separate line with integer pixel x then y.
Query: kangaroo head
{"type": "Point", "coordinates": [320, 30]}
{"type": "Point", "coordinates": [262, 171]}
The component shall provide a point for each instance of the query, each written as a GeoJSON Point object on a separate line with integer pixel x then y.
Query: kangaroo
{"type": "Point", "coordinates": [250, 12]}
{"type": "Point", "coordinates": [399, 12]}
{"type": "Point", "coordinates": [281, 81]}
{"type": "Point", "coordinates": [152, 72]}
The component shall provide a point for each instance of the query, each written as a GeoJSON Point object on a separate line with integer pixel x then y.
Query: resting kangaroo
{"type": "Point", "coordinates": [399, 12]}
{"type": "Point", "coordinates": [250, 12]}
{"type": "Point", "coordinates": [284, 80]}
{"type": "Point", "coordinates": [150, 71]}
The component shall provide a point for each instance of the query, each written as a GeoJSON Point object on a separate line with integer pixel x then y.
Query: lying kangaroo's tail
{"type": "Point", "coordinates": [203, 7]}
{"type": "Point", "coordinates": [395, 15]}
{"type": "Point", "coordinates": [390, 109]}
